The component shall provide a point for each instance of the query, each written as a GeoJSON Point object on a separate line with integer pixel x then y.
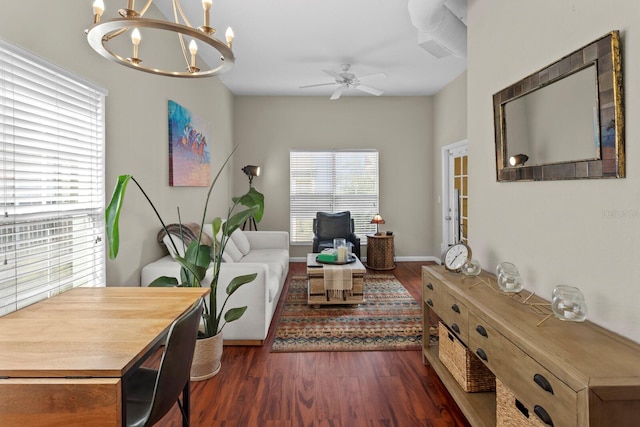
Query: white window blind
{"type": "Point", "coordinates": [332, 181]}
{"type": "Point", "coordinates": [52, 180]}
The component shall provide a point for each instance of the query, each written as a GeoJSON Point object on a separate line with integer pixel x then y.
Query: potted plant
{"type": "Point", "coordinates": [197, 259]}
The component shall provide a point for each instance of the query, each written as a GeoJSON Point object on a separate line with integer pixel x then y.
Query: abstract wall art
{"type": "Point", "coordinates": [189, 140]}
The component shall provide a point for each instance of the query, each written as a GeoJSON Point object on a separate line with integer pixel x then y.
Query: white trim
{"type": "Point", "coordinates": [398, 259]}
{"type": "Point", "coordinates": [446, 174]}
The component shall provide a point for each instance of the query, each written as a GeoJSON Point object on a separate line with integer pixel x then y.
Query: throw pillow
{"type": "Point", "coordinates": [232, 250]}
{"type": "Point", "coordinates": [241, 241]}
{"type": "Point", "coordinates": [179, 244]}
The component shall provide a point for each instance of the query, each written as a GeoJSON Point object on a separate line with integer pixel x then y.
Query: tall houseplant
{"type": "Point", "coordinates": [197, 257]}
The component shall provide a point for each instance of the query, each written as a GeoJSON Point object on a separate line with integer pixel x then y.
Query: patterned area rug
{"type": "Point", "coordinates": [389, 319]}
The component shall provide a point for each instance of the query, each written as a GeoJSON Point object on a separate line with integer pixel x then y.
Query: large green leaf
{"type": "Point", "coordinates": [238, 281]}
{"type": "Point", "coordinates": [112, 215]}
{"type": "Point", "coordinates": [253, 198]}
{"type": "Point", "coordinates": [164, 282]}
{"type": "Point", "coordinates": [234, 313]}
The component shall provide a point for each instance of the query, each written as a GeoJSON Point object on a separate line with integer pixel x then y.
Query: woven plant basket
{"type": "Point", "coordinates": [507, 412]}
{"type": "Point", "coordinates": [206, 358]}
{"type": "Point", "coordinates": [465, 367]}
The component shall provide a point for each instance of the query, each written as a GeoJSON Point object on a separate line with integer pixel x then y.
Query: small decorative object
{"type": "Point", "coordinates": [456, 257]}
{"type": "Point", "coordinates": [568, 304]}
{"type": "Point", "coordinates": [471, 268]}
{"type": "Point", "coordinates": [509, 279]}
{"type": "Point", "coordinates": [340, 245]}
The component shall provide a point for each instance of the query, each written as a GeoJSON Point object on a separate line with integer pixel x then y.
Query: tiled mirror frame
{"type": "Point", "coordinates": [604, 53]}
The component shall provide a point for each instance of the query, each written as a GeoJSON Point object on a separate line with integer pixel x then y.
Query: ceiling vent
{"type": "Point", "coordinates": [441, 28]}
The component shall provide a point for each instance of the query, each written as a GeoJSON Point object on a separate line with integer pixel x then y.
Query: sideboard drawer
{"type": "Point", "coordinates": [451, 311]}
{"type": "Point", "coordinates": [530, 382]}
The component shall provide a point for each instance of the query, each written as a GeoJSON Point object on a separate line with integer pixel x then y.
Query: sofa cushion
{"type": "Point", "coordinates": [241, 241]}
{"type": "Point", "coordinates": [233, 251]}
{"type": "Point", "coordinates": [274, 258]}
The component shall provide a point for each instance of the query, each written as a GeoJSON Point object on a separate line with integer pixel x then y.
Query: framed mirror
{"type": "Point", "coordinates": [565, 121]}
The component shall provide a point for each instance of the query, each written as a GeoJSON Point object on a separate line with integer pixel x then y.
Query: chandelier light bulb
{"type": "Point", "coordinates": [193, 48]}
{"type": "Point", "coordinates": [98, 10]}
{"type": "Point", "coordinates": [229, 36]}
{"type": "Point", "coordinates": [206, 5]}
{"type": "Point", "coordinates": [135, 39]}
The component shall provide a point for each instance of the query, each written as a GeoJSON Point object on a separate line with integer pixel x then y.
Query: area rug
{"type": "Point", "coordinates": [389, 319]}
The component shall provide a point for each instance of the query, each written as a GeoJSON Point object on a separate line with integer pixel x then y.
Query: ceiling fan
{"type": "Point", "coordinates": [347, 80]}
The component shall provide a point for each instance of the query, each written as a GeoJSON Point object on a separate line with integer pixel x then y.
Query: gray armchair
{"type": "Point", "coordinates": [328, 226]}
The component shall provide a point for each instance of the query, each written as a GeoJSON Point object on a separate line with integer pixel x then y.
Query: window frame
{"type": "Point", "coordinates": [52, 194]}
{"type": "Point", "coordinates": [329, 188]}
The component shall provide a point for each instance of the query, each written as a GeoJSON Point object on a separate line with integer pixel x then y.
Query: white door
{"type": "Point", "coordinates": [454, 194]}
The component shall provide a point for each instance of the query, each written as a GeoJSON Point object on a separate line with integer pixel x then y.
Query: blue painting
{"type": "Point", "coordinates": [189, 139]}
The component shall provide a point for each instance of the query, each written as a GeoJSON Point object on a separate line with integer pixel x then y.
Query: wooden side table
{"type": "Point", "coordinates": [380, 252]}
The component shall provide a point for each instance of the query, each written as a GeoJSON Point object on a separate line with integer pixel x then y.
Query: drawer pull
{"type": "Point", "coordinates": [430, 302]}
{"type": "Point", "coordinates": [542, 414]}
{"type": "Point", "coordinates": [543, 383]}
{"type": "Point", "coordinates": [482, 355]}
{"type": "Point", "coordinates": [522, 408]}
{"type": "Point", "coordinates": [455, 328]}
{"type": "Point", "coordinates": [430, 286]}
{"type": "Point", "coordinates": [482, 331]}
{"type": "Point", "coordinates": [455, 308]}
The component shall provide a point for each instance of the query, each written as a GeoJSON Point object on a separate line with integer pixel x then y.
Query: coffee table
{"type": "Point", "coordinates": [317, 295]}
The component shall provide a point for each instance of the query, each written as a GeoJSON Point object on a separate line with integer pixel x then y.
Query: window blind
{"type": "Point", "coordinates": [332, 181]}
{"type": "Point", "coordinates": [52, 180]}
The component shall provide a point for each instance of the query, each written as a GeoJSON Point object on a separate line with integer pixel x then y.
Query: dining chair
{"type": "Point", "coordinates": [151, 393]}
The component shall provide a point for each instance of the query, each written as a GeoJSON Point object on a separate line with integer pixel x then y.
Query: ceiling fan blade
{"type": "Point", "coordinates": [338, 92]}
{"type": "Point", "coordinates": [369, 89]}
{"type": "Point", "coordinates": [321, 84]}
{"type": "Point", "coordinates": [332, 74]}
{"type": "Point", "coordinates": [380, 75]}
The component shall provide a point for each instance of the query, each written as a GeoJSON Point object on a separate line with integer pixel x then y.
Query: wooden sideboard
{"type": "Point", "coordinates": [564, 373]}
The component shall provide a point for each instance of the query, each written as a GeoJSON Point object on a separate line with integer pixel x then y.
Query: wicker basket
{"type": "Point", "coordinates": [510, 412]}
{"type": "Point", "coordinates": [472, 375]}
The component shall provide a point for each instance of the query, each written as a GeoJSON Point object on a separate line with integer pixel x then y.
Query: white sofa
{"type": "Point", "coordinates": [263, 252]}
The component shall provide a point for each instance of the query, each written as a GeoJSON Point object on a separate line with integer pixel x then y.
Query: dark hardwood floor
{"type": "Point", "coordinates": [342, 389]}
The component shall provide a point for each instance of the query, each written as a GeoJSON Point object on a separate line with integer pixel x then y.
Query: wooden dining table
{"type": "Point", "coordinates": [64, 361]}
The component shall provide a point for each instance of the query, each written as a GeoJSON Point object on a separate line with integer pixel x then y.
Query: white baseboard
{"type": "Point", "coordinates": [399, 259]}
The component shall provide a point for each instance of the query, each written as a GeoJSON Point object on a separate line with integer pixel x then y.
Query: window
{"type": "Point", "coordinates": [51, 180]}
{"type": "Point", "coordinates": [332, 181]}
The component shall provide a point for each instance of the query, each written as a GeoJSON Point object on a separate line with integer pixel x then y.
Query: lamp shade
{"type": "Point", "coordinates": [251, 170]}
{"type": "Point", "coordinates": [377, 219]}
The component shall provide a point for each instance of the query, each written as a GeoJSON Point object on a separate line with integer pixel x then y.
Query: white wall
{"type": "Point", "coordinates": [136, 118]}
{"type": "Point", "coordinates": [266, 128]}
{"type": "Point", "coordinates": [583, 233]}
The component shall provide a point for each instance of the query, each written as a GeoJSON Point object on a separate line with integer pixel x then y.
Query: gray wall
{"type": "Point", "coordinates": [450, 125]}
{"type": "Point", "coordinates": [582, 233]}
{"type": "Point", "coordinates": [401, 128]}
{"type": "Point", "coordinates": [136, 118]}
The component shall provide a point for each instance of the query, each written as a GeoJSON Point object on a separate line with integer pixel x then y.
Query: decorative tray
{"type": "Point", "coordinates": [352, 258]}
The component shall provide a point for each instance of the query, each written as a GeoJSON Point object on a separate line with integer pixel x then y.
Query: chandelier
{"type": "Point", "coordinates": [121, 40]}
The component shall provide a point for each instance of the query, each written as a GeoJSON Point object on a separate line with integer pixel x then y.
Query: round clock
{"type": "Point", "coordinates": [457, 256]}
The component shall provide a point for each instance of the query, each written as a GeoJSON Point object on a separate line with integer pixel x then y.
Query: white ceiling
{"type": "Point", "coordinates": [281, 45]}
